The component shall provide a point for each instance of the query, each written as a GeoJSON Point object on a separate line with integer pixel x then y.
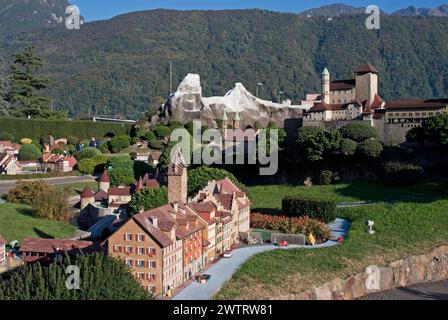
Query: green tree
{"type": "Point", "coordinates": [121, 176]}
{"type": "Point", "coordinates": [198, 178]}
{"type": "Point", "coordinates": [25, 87]}
{"type": "Point", "coordinates": [4, 105]}
{"type": "Point", "coordinates": [29, 152]}
{"type": "Point", "coordinates": [436, 129]}
{"type": "Point", "coordinates": [119, 143]}
{"type": "Point", "coordinates": [102, 278]}
{"type": "Point", "coordinates": [6, 136]}
{"type": "Point", "coordinates": [316, 142]}
{"type": "Point", "coordinates": [348, 147]}
{"type": "Point", "coordinates": [86, 153]}
{"type": "Point", "coordinates": [148, 199]}
{"type": "Point", "coordinates": [370, 148]}
{"type": "Point", "coordinates": [162, 132]}
{"type": "Point", "coordinates": [358, 132]}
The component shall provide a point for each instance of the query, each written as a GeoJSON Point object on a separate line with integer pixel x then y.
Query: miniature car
{"type": "Point", "coordinates": [227, 255]}
{"type": "Point", "coordinates": [283, 244]}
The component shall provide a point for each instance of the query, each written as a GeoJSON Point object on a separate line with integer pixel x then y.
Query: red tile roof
{"type": "Point", "coordinates": [338, 85]}
{"type": "Point", "coordinates": [101, 195]}
{"type": "Point", "coordinates": [52, 246]}
{"type": "Point", "coordinates": [366, 68]}
{"type": "Point", "coordinates": [122, 191]}
{"type": "Point", "coordinates": [87, 193]}
{"type": "Point", "coordinates": [104, 177]}
{"type": "Point", "coordinates": [400, 104]}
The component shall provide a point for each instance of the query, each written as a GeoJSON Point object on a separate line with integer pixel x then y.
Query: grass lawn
{"type": "Point", "coordinates": [77, 188]}
{"type": "Point", "coordinates": [402, 229]}
{"type": "Point", "coordinates": [16, 223]}
{"type": "Point", "coordinates": [268, 199]}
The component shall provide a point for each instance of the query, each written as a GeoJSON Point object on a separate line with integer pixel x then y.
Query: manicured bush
{"type": "Point", "coordinates": [87, 153]}
{"type": "Point", "coordinates": [104, 147]}
{"type": "Point", "coordinates": [72, 140]}
{"type": "Point", "coordinates": [29, 152]}
{"type": "Point", "coordinates": [148, 199]}
{"type": "Point", "coordinates": [6, 136]}
{"type": "Point", "coordinates": [150, 136]}
{"type": "Point", "coordinates": [119, 143]}
{"type": "Point", "coordinates": [302, 225]}
{"type": "Point", "coordinates": [370, 148]}
{"type": "Point", "coordinates": [326, 177]}
{"type": "Point", "coordinates": [121, 176]}
{"type": "Point", "coordinates": [86, 166]}
{"type": "Point", "coordinates": [348, 147]}
{"type": "Point", "coordinates": [358, 132]}
{"type": "Point", "coordinates": [156, 144]}
{"type": "Point", "coordinates": [321, 209]}
{"type": "Point", "coordinates": [162, 131]}
{"type": "Point", "coordinates": [398, 174]}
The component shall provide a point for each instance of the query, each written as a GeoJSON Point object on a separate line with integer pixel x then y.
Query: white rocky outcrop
{"type": "Point", "coordinates": [188, 104]}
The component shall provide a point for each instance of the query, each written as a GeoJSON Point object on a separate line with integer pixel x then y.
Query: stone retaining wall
{"type": "Point", "coordinates": [402, 273]}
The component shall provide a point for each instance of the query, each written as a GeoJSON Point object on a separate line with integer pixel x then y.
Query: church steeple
{"type": "Point", "coordinates": [178, 179]}
{"type": "Point", "coordinates": [326, 86]}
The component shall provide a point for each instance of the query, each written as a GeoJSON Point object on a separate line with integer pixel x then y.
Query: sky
{"type": "Point", "coordinates": [104, 9]}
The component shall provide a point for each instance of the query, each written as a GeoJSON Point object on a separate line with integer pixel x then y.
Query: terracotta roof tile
{"type": "Point", "coordinates": [53, 245]}
{"type": "Point", "coordinates": [104, 177]}
{"type": "Point", "coordinates": [432, 103]}
{"type": "Point", "coordinates": [87, 193]}
{"type": "Point", "coordinates": [366, 68]}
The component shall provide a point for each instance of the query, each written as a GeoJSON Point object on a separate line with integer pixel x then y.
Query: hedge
{"type": "Point", "coordinates": [34, 129]}
{"type": "Point", "coordinates": [321, 209]}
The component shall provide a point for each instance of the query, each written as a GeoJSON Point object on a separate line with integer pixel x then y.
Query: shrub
{"type": "Point", "coordinates": [358, 132]}
{"type": "Point", "coordinates": [258, 125]}
{"type": "Point", "coordinates": [119, 143]}
{"type": "Point", "coordinates": [321, 209]}
{"type": "Point", "coordinates": [139, 129]}
{"type": "Point", "coordinates": [29, 152]}
{"type": "Point", "coordinates": [26, 141]}
{"type": "Point", "coordinates": [162, 131]}
{"type": "Point", "coordinates": [348, 147]}
{"type": "Point", "coordinates": [86, 166]}
{"type": "Point", "coordinates": [121, 176]}
{"type": "Point", "coordinates": [51, 204]}
{"type": "Point", "coordinates": [72, 140]}
{"type": "Point", "coordinates": [156, 144]}
{"type": "Point", "coordinates": [175, 125]}
{"type": "Point", "coordinates": [5, 136]}
{"type": "Point", "coordinates": [148, 199]}
{"type": "Point", "coordinates": [399, 174]}
{"type": "Point", "coordinates": [57, 151]}
{"type": "Point", "coordinates": [302, 225]}
{"type": "Point", "coordinates": [326, 177]}
{"type": "Point", "coordinates": [150, 136]}
{"type": "Point", "coordinates": [104, 147]}
{"type": "Point", "coordinates": [86, 153]}
{"type": "Point", "coordinates": [25, 191]}
{"type": "Point", "coordinates": [370, 148]}
{"type": "Point", "coordinates": [135, 140]}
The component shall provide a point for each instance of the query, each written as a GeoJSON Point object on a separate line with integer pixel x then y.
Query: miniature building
{"type": "Point", "coordinates": [9, 164]}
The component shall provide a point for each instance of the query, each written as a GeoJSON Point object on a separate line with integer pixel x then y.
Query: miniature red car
{"type": "Point", "coordinates": [283, 244]}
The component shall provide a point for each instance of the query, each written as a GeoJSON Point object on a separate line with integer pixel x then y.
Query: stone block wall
{"type": "Point", "coordinates": [401, 273]}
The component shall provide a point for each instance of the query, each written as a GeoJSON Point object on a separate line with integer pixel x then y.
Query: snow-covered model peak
{"type": "Point", "coordinates": [190, 85]}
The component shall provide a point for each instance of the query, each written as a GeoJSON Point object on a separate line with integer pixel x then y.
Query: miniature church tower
{"type": "Point", "coordinates": [236, 121]}
{"type": "Point", "coordinates": [104, 182]}
{"type": "Point", "coordinates": [177, 179]}
{"type": "Point", "coordinates": [326, 86]}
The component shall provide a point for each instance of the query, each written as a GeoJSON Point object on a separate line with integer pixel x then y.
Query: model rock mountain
{"type": "Point", "coordinates": [188, 104]}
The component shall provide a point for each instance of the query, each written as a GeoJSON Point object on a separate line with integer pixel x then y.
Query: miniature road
{"type": "Point", "coordinates": [423, 291]}
{"type": "Point", "coordinates": [223, 270]}
{"type": "Point", "coordinates": [5, 186]}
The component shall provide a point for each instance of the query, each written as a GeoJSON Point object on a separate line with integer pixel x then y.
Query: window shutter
{"type": "Point", "coordinates": [155, 264]}
{"type": "Point", "coordinates": [124, 237]}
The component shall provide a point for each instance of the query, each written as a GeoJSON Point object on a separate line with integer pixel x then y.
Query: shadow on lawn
{"type": "Point", "coordinates": [42, 234]}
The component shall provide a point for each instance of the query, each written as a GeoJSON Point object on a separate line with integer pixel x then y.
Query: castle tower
{"type": "Point", "coordinates": [326, 86]}
{"type": "Point", "coordinates": [177, 179]}
{"type": "Point", "coordinates": [366, 82]}
{"type": "Point", "coordinates": [104, 182]}
{"type": "Point", "coordinates": [237, 121]}
{"type": "Point", "coordinates": [87, 197]}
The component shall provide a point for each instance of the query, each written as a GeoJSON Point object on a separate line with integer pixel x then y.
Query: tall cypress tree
{"type": "Point", "coordinates": [4, 105]}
